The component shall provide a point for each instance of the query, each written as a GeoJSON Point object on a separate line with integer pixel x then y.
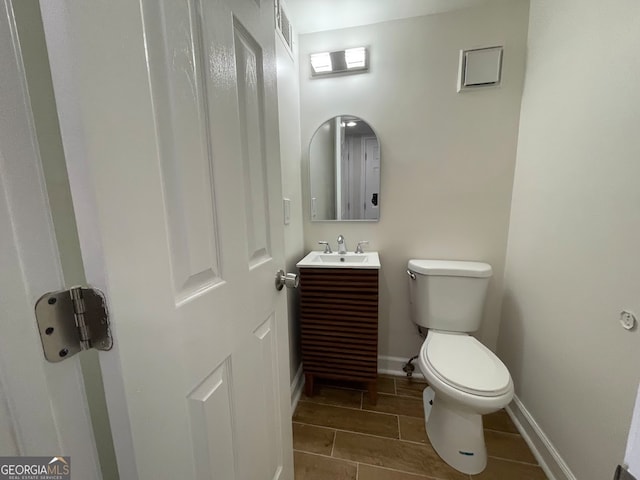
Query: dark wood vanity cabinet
{"type": "Point", "coordinates": [339, 325]}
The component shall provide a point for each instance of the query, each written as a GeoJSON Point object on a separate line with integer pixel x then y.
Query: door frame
{"type": "Point", "coordinates": [46, 402]}
{"type": "Point", "coordinates": [366, 169]}
{"type": "Point", "coordinates": [54, 19]}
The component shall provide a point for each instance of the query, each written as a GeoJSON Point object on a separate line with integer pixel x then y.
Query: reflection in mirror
{"type": "Point", "coordinates": [344, 165]}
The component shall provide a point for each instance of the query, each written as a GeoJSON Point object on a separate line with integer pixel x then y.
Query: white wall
{"type": "Point", "coordinates": [289, 118]}
{"type": "Point", "coordinates": [447, 159]}
{"type": "Point", "coordinates": [574, 242]}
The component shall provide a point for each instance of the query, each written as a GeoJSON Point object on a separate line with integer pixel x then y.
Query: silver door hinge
{"type": "Point", "coordinates": [622, 473]}
{"type": "Point", "coordinates": [73, 320]}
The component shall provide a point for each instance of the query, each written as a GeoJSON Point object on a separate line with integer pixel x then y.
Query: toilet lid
{"type": "Point", "coordinates": [464, 363]}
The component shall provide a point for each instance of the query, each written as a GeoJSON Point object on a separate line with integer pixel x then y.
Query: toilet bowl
{"type": "Point", "coordinates": [466, 380]}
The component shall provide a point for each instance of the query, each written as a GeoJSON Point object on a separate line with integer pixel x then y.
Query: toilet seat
{"type": "Point", "coordinates": [464, 363]}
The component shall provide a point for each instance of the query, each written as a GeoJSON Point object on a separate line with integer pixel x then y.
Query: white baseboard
{"type": "Point", "coordinates": [393, 366]}
{"type": "Point", "coordinates": [296, 388]}
{"type": "Point", "coordinates": [546, 454]}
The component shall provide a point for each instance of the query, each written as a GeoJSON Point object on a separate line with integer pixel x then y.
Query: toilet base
{"type": "Point", "coordinates": [455, 434]}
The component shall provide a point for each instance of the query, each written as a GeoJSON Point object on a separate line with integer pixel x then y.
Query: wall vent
{"type": "Point", "coordinates": [480, 67]}
{"type": "Point", "coordinates": [283, 25]}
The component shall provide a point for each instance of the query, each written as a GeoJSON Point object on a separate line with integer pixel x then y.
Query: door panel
{"type": "Point", "coordinates": [249, 86]}
{"type": "Point", "coordinates": [262, 420]}
{"type": "Point", "coordinates": [210, 406]}
{"type": "Point", "coordinates": [181, 152]}
{"type": "Point", "coordinates": [181, 102]}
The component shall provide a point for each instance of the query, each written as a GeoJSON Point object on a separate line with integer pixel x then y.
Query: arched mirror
{"type": "Point", "coordinates": [344, 165]}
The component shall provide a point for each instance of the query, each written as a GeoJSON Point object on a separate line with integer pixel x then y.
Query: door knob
{"type": "Point", "coordinates": [289, 280]}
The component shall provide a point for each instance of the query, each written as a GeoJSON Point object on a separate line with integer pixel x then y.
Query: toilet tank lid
{"type": "Point", "coordinates": [452, 268]}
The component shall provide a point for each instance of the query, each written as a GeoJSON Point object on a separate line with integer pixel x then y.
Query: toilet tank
{"type": "Point", "coordinates": [448, 295]}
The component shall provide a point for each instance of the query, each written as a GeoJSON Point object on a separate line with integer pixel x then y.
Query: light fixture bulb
{"type": "Point", "coordinates": [355, 57]}
{"type": "Point", "coordinates": [351, 124]}
{"type": "Point", "coordinates": [321, 62]}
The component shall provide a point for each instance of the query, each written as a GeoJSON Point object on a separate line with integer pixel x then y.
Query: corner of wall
{"type": "Point", "coordinates": [290, 151]}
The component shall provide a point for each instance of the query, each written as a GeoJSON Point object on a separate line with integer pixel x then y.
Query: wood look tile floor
{"type": "Point", "coordinates": [339, 435]}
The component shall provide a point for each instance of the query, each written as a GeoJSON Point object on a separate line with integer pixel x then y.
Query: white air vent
{"type": "Point", "coordinates": [480, 67]}
{"type": "Point", "coordinates": [283, 25]}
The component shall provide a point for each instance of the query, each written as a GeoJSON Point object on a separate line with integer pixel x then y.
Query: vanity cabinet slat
{"type": "Point", "coordinates": [339, 325]}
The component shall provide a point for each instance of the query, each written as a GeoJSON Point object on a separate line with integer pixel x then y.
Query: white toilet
{"type": "Point", "coordinates": [466, 380]}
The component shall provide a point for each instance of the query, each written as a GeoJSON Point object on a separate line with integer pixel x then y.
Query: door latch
{"type": "Point", "coordinates": [73, 320]}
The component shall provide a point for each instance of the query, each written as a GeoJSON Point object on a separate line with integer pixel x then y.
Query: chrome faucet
{"type": "Point", "coordinates": [327, 247]}
{"type": "Point", "coordinates": [342, 247]}
{"type": "Point", "coordinates": [360, 244]}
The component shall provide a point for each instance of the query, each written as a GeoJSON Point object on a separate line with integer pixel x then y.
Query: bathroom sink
{"type": "Point", "coordinates": [344, 258]}
{"type": "Point", "coordinates": [336, 260]}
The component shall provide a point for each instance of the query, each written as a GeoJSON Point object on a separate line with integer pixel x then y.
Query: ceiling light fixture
{"type": "Point", "coordinates": [351, 60]}
{"type": "Point", "coordinates": [351, 124]}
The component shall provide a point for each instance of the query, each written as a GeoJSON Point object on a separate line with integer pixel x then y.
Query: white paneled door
{"type": "Point", "coordinates": [371, 187]}
{"type": "Point", "coordinates": [169, 122]}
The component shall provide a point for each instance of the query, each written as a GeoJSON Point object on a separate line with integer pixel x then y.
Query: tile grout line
{"type": "Point", "coordinates": [399, 395]}
{"type": "Point", "coordinates": [514, 461]}
{"type": "Point", "coordinates": [362, 410]}
{"type": "Point", "coordinates": [315, 454]}
{"type": "Point", "coordinates": [515, 434]}
{"type": "Point", "coordinates": [412, 442]}
{"type": "Point", "coordinates": [348, 408]}
{"type": "Point", "coordinates": [402, 397]}
{"type": "Point", "coordinates": [333, 445]}
{"type": "Point", "coordinates": [427, 477]}
{"type": "Point", "coordinates": [304, 398]}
